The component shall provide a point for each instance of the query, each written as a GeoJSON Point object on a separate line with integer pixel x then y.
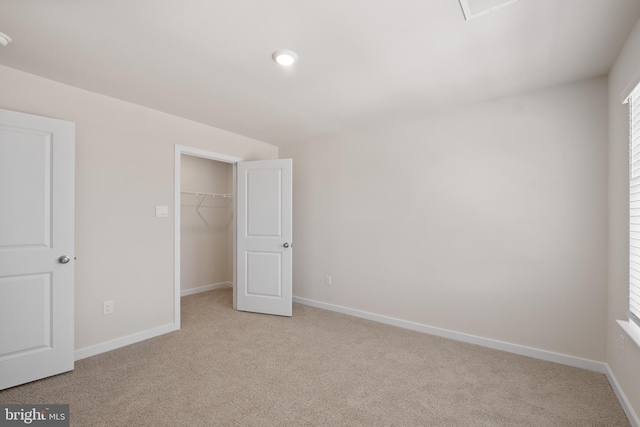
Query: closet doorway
{"type": "Point", "coordinates": [258, 229]}
{"type": "Point", "coordinates": [205, 222]}
{"type": "Point", "coordinates": [206, 225]}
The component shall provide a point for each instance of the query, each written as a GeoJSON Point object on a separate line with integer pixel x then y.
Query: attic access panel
{"type": "Point", "coordinates": [475, 8]}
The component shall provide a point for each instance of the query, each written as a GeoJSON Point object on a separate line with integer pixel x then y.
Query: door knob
{"type": "Point", "coordinates": [64, 259]}
{"type": "Point", "coordinates": [286, 245]}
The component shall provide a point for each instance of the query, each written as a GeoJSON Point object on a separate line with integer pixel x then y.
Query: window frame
{"type": "Point", "coordinates": [633, 100]}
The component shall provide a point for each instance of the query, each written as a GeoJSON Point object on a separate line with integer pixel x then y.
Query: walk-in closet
{"type": "Point", "coordinates": [206, 224]}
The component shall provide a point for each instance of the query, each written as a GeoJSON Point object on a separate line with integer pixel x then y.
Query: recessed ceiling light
{"type": "Point", "coordinates": [4, 39]}
{"type": "Point", "coordinates": [284, 57]}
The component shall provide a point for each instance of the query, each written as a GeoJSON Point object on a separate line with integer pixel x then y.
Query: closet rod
{"type": "Point", "coordinates": [198, 193]}
{"type": "Point", "coordinates": [204, 196]}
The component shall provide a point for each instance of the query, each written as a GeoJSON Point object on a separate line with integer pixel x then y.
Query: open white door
{"type": "Point", "coordinates": [264, 247]}
{"type": "Point", "coordinates": [36, 247]}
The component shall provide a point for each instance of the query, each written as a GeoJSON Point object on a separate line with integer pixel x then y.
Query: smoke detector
{"type": "Point", "coordinates": [474, 8]}
{"type": "Point", "coordinates": [4, 39]}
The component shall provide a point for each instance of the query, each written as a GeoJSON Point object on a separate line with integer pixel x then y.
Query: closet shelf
{"type": "Point", "coordinates": [198, 193]}
{"type": "Point", "coordinates": [205, 195]}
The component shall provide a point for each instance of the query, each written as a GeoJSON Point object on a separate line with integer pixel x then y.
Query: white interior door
{"type": "Point", "coordinates": [36, 234]}
{"type": "Point", "coordinates": [264, 247]}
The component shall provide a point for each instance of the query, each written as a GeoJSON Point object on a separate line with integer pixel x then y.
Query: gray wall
{"type": "Point", "coordinates": [488, 220]}
{"type": "Point", "coordinates": [622, 78]}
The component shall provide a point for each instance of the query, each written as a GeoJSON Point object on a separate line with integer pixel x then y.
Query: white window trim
{"type": "Point", "coordinates": [631, 325]}
{"type": "Point", "coordinates": [631, 329]}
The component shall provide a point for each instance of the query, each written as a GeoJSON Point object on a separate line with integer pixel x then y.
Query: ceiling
{"type": "Point", "coordinates": [361, 61]}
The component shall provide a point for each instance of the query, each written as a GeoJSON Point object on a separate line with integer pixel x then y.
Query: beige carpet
{"type": "Point", "coordinates": [227, 368]}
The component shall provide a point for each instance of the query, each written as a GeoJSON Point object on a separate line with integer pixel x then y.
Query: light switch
{"type": "Point", "coordinates": [162, 211]}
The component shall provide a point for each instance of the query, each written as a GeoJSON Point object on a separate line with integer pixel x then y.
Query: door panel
{"type": "Point", "coordinates": [36, 228]}
{"type": "Point", "coordinates": [264, 274]}
{"type": "Point", "coordinates": [26, 217]}
{"type": "Point", "coordinates": [264, 252]}
{"type": "Point", "coordinates": [264, 204]}
{"type": "Point", "coordinates": [26, 302]}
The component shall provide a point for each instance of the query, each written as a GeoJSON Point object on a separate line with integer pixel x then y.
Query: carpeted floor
{"type": "Point", "coordinates": [318, 368]}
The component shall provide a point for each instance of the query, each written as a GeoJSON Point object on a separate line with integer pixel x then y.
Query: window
{"type": "Point", "coordinates": [634, 205]}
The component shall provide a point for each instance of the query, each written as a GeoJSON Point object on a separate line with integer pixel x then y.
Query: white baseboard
{"type": "Point", "coordinates": [144, 335]}
{"type": "Point", "coordinates": [206, 288]}
{"type": "Point", "coordinates": [622, 398]}
{"type": "Point", "coordinates": [550, 356]}
{"type": "Point", "coordinates": [123, 341]}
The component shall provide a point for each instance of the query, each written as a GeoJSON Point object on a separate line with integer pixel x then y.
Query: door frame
{"type": "Point", "coordinates": [205, 154]}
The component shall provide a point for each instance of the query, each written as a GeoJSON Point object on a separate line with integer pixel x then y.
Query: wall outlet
{"type": "Point", "coordinates": [622, 344]}
{"type": "Point", "coordinates": [107, 308]}
{"type": "Point", "coordinates": [328, 281]}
